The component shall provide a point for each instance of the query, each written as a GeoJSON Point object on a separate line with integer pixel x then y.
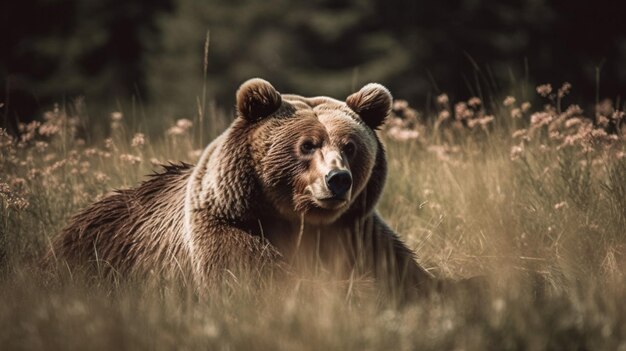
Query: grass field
{"type": "Point", "coordinates": [515, 192]}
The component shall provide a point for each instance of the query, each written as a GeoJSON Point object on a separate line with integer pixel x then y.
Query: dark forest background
{"type": "Point", "coordinates": [149, 54]}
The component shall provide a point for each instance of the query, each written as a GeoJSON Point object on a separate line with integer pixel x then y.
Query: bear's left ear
{"type": "Point", "coordinates": [257, 99]}
{"type": "Point", "coordinates": [372, 103]}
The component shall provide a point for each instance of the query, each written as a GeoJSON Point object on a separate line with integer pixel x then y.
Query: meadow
{"type": "Point", "coordinates": [530, 194]}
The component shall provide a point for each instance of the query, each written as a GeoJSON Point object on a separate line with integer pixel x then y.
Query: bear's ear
{"type": "Point", "coordinates": [372, 103]}
{"type": "Point", "coordinates": [257, 99]}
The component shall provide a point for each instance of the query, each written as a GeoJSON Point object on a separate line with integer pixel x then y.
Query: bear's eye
{"type": "Point", "coordinates": [307, 147]}
{"type": "Point", "coordinates": [349, 149]}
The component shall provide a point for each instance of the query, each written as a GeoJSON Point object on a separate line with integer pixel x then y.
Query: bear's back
{"type": "Point", "coordinates": [127, 232]}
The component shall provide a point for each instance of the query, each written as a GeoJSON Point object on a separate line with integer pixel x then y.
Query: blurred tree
{"type": "Point", "coordinates": [418, 48]}
{"type": "Point", "coordinates": [55, 50]}
{"type": "Point", "coordinates": [112, 51]}
{"type": "Point", "coordinates": [317, 47]}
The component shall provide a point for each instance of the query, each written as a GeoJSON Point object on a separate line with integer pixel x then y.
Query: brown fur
{"type": "Point", "coordinates": [125, 233]}
{"type": "Point", "coordinates": [252, 206]}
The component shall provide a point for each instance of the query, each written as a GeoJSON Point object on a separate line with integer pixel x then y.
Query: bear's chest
{"type": "Point", "coordinates": [309, 247]}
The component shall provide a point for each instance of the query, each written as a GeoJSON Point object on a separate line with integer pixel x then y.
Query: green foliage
{"type": "Point", "coordinates": [315, 46]}
{"type": "Point", "coordinates": [151, 53]}
{"type": "Point", "coordinates": [56, 51]}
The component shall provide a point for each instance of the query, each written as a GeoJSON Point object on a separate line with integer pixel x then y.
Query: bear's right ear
{"type": "Point", "coordinates": [257, 99]}
{"type": "Point", "coordinates": [372, 103]}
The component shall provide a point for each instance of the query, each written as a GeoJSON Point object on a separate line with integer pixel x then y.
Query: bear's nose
{"type": "Point", "coordinates": [339, 182]}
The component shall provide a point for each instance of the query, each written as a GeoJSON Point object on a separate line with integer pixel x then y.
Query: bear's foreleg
{"type": "Point", "coordinates": [224, 254]}
{"type": "Point", "coordinates": [393, 263]}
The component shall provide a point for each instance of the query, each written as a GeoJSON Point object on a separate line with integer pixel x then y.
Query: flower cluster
{"type": "Point", "coordinates": [558, 129]}
{"type": "Point", "coordinates": [554, 127]}
{"type": "Point", "coordinates": [49, 156]}
{"type": "Point", "coordinates": [181, 127]}
{"type": "Point", "coordinates": [404, 122]}
{"type": "Point", "coordinates": [13, 195]}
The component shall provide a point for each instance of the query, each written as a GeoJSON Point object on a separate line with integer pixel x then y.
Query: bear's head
{"type": "Point", "coordinates": [317, 158]}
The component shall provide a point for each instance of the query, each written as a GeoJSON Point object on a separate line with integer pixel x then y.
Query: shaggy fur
{"type": "Point", "coordinates": [130, 230]}
{"type": "Point", "coordinates": [255, 203]}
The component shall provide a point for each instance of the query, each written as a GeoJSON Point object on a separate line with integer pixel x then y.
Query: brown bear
{"type": "Point", "coordinates": [291, 186]}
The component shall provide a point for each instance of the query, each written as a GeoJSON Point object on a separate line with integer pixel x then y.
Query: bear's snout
{"type": "Point", "coordinates": [339, 182]}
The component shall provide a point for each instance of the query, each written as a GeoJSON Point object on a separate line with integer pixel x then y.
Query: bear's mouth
{"type": "Point", "coordinates": [318, 197]}
{"type": "Point", "coordinates": [331, 203]}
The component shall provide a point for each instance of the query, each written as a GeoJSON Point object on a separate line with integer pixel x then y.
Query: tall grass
{"type": "Point", "coordinates": [518, 194]}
